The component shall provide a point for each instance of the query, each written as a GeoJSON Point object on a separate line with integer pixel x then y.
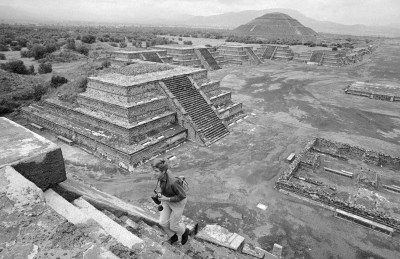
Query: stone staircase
{"type": "Point", "coordinates": [269, 52]}
{"type": "Point", "coordinates": [151, 56]}
{"type": "Point", "coordinates": [203, 116]}
{"type": "Point", "coordinates": [253, 57]}
{"type": "Point", "coordinates": [206, 57]}
{"type": "Point", "coordinates": [134, 232]}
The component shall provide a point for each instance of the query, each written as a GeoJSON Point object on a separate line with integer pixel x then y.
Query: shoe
{"type": "Point", "coordinates": [172, 240]}
{"type": "Point", "coordinates": [185, 236]}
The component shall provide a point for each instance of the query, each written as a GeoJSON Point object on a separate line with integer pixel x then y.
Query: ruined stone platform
{"type": "Point", "coordinates": [36, 158]}
{"type": "Point", "coordinates": [385, 92]}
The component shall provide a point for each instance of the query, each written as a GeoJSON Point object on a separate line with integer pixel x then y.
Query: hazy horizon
{"type": "Point", "coordinates": [367, 12]}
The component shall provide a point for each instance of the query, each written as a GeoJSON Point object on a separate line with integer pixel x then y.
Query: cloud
{"type": "Point", "coordinates": [342, 11]}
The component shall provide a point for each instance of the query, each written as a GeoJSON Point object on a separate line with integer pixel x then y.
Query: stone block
{"type": "Point", "coordinates": [36, 158]}
{"type": "Point", "coordinates": [221, 236]}
{"type": "Point", "coordinates": [277, 250]}
{"type": "Point", "coordinates": [253, 251]}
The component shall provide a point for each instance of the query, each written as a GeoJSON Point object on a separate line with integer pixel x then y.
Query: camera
{"type": "Point", "coordinates": [157, 201]}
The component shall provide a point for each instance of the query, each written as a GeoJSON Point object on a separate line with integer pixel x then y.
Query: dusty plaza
{"type": "Point", "coordinates": [286, 104]}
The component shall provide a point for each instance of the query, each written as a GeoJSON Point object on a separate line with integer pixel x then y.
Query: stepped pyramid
{"type": "Point", "coordinates": [277, 26]}
{"type": "Point", "coordinates": [131, 113]}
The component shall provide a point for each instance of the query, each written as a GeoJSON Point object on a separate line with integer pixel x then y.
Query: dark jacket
{"type": "Point", "coordinates": [171, 188]}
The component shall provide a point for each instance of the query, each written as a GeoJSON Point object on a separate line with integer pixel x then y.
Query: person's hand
{"type": "Point", "coordinates": [163, 198]}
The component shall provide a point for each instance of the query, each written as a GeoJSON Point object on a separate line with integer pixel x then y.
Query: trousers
{"type": "Point", "coordinates": [171, 216]}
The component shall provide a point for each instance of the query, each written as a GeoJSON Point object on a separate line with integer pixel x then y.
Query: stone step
{"type": "Point", "coordinates": [221, 236]}
{"type": "Point", "coordinates": [65, 140]}
{"type": "Point", "coordinates": [121, 234]}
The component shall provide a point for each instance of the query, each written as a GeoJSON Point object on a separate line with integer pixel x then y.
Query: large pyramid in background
{"type": "Point", "coordinates": [277, 26]}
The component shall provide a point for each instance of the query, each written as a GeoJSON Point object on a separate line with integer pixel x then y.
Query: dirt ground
{"type": "Point", "coordinates": [287, 104]}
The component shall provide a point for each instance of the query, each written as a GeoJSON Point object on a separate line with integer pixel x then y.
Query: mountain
{"type": "Point", "coordinates": [234, 19]}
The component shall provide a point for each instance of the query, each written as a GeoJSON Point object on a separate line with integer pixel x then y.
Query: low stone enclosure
{"type": "Point", "coordinates": [357, 184]}
{"type": "Point", "coordinates": [134, 112]}
{"type": "Point", "coordinates": [46, 215]}
{"type": "Point", "coordinates": [377, 91]}
{"type": "Point", "coordinates": [193, 56]}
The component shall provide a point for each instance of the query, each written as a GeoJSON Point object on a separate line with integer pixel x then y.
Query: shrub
{"type": "Point", "coordinates": [31, 70]}
{"type": "Point", "coordinates": [123, 44]}
{"type": "Point", "coordinates": [25, 53]}
{"type": "Point", "coordinates": [187, 42]}
{"type": "Point", "coordinates": [88, 39]}
{"type": "Point", "coordinates": [16, 48]}
{"type": "Point", "coordinates": [113, 44]}
{"type": "Point", "coordinates": [38, 51]}
{"type": "Point", "coordinates": [15, 66]}
{"type": "Point", "coordinates": [105, 64]}
{"type": "Point", "coordinates": [2, 56]}
{"type": "Point", "coordinates": [4, 47]}
{"type": "Point", "coordinates": [45, 68]}
{"type": "Point", "coordinates": [82, 83]}
{"type": "Point", "coordinates": [51, 47]}
{"type": "Point", "coordinates": [334, 49]}
{"type": "Point", "coordinates": [180, 39]}
{"type": "Point", "coordinates": [57, 81]}
{"type": "Point", "coordinates": [38, 92]}
{"type": "Point", "coordinates": [83, 50]}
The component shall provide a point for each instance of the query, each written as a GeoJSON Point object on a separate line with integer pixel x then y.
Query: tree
{"type": "Point", "coordinates": [123, 44]}
{"type": "Point", "coordinates": [71, 44]}
{"type": "Point", "coordinates": [57, 81]}
{"type": "Point", "coordinates": [2, 56]}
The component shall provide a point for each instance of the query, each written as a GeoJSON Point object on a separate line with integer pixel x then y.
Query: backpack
{"type": "Point", "coordinates": [182, 182]}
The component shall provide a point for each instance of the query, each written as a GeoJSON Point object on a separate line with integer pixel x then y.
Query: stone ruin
{"type": "Point", "coordinates": [326, 195]}
{"type": "Point", "coordinates": [137, 111]}
{"type": "Point", "coordinates": [239, 55]}
{"type": "Point", "coordinates": [193, 56]}
{"type": "Point", "coordinates": [377, 91]}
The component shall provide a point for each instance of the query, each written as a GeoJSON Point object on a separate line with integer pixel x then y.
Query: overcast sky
{"type": "Point", "coordinates": [379, 12]}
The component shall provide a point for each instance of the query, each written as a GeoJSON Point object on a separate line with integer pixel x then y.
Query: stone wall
{"type": "Point", "coordinates": [128, 135]}
{"type": "Point", "coordinates": [353, 152]}
{"type": "Point", "coordinates": [130, 114]}
{"type": "Point", "coordinates": [106, 151]}
{"type": "Point", "coordinates": [221, 99]}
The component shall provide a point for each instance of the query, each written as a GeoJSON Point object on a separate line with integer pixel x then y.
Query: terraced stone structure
{"type": "Point", "coordinates": [123, 56]}
{"type": "Point", "coordinates": [275, 52]}
{"type": "Point", "coordinates": [277, 26]}
{"type": "Point", "coordinates": [382, 92]}
{"type": "Point", "coordinates": [194, 56]}
{"type": "Point", "coordinates": [239, 55]}
{"type": "Point", "coordinates": [134, 112]}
